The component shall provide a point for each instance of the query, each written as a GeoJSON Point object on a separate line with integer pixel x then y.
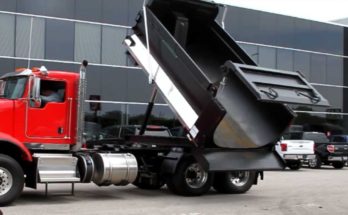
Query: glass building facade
{"type": "Point", "coordinates": [61, 33]}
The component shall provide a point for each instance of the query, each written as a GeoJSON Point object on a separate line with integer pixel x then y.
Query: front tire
{"type": "Point", "coordinates": [234, 182]}
{"type": "Point", "coordinates": [11, 180]}
{"type": "Point", "coordinates": [190, 179]}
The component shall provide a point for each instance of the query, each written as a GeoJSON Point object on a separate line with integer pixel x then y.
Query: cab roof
{"type": "Point", "coordinates": [51, 74]}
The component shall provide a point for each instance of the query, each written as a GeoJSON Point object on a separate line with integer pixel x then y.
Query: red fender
{"type": "Point", "coordinates": [25, 151]}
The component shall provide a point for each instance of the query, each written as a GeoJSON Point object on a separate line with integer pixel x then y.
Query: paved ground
{"type": "Point", "coordinates": [305, 191]}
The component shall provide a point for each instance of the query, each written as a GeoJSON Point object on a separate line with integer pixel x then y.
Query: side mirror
{"type": "Point", "coordinates": [35, 100]}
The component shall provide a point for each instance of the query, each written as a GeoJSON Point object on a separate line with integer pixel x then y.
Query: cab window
{"type": "Point", "coordinates": [52, 91]}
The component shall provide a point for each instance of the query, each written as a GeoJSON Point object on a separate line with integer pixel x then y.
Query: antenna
{"type": "Point", "coordinates": [30, 38]}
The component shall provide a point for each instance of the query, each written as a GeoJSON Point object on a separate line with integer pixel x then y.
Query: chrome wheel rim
{"type": "Point", "coordinates": [195, 176]}
{"type": "Point", "coordinates": [239, 178]}
{"type": "Point", "coordinates": [6, 181]}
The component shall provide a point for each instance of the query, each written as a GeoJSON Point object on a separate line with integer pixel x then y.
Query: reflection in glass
{"type": "Point", "coordinates": [161, 115]}
{"type": "Point", "coordinates": [327, 123]}
{"type": "Point", "coordinates": [108, 116]}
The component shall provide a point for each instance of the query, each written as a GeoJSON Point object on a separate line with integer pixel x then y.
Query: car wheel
{"type": "Point", "coordinates": [295, 166]}
{"type": "Point", "coordinates": [190, 179]}
{"type": "Point", "coordinates": [316, 163]}
{"type": "Point", "coordinates": [338, 165]}
{"type": "Point", "coordinates": [234, 182]}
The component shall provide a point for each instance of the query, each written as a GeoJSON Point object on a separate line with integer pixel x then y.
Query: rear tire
{"type": "Point", "coordinates": [11, 180]}
{"type": "Point", "coordinates": [294, 166]}
{"type": "Point", "coordinates": [338, 165]}
{"type": "Point", "coordinates": [235, 182]}
{"type": "Point", "coordinates": [190, 179]}
{"type": "Point", "coordinates": [315, 164]}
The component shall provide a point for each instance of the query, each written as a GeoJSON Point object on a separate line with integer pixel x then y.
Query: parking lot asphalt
{"type": "Point", "coordinates": [306, 191]}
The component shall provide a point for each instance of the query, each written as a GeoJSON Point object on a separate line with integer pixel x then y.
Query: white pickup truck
{"type": "Point", "coordinates": [296, 152]}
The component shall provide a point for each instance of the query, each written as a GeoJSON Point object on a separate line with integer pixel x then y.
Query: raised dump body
{"type": "Point", "coordinates": [217, 91]}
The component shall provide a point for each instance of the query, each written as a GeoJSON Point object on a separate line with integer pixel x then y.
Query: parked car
{"type": "Point", "coordinates": [296, 152]}
{"type": "Point", "coordinates": [328, 153]}
{"type": "Point", "coordinates": [91, 131]}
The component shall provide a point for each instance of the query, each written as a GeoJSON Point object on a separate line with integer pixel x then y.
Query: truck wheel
{"type": "Point", "coordinates": [147, 184]}
{"type": "Point", "coordinates": [190, 179]}
{"type": "Point", "coordinates": [316, 164]}
{"type": "Point", "coordinates": [294, 166]}
{"type": "Point", "coordinates": [11, 180]}
{"type": "Point", "coordinates": [338, 165]}
{"type": "Point", "coordinates": [235, 182]}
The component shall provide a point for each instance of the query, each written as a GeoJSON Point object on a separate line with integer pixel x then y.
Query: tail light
{"type": "Point", "coordinates": [330, 148]}
{"type": "Point", "coordinates": [284, 147]}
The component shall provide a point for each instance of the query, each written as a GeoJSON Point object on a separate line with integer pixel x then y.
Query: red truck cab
{"type": "Point", "coordinates": [29, 121]}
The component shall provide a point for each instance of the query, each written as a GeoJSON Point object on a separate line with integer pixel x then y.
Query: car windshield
{"type": "Point", "coordinates": [316, 137]}
{"type": "Point", "coordinates": [13, 87]}
{"type": "Point", "coordinates": [293, 136]}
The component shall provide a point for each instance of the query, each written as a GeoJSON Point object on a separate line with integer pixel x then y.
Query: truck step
{"type": "Point", "coordinates": [57, 168]}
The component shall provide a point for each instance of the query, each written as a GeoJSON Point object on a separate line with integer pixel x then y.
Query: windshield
{"type": "Point", "coordinates": [13, 87]}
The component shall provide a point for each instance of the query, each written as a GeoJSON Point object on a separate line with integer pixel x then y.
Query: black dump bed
{"type": "Point", "coordinates": [216, 90]}
{"type": "Point", "coordinates": [238, 104]}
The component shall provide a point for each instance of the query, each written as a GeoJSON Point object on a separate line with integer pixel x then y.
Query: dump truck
{"type": "Point", "coordinates": [233, 112]}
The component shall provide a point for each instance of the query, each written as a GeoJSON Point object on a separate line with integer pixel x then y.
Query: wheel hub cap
{"type": "Point", "coordinates": [239, 178]}
{"type": "Point", "coordinates": [195, 176]}
{"type": "Point", "coordinates": [6, 181]}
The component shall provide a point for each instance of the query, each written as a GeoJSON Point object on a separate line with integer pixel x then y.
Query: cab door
{"type": "Point", "coordinates": [50, 120]}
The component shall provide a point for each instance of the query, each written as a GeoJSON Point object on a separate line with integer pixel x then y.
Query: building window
{"type": "Point", "coordinates": [113, 52]}
{"type": "Point", "coordinates": [59, 40]}
{"type": "Point", "coordinates": [267, 57]}
{"type": "Point", "coordinates": [252, 51]}
{"type": "Point", "coordinates": [318, 69]}
{"type": "Point", "coordinates": [87, 42]}
{"type": "Point", "coordinates": [23, 37]}
{"type": "Point", "coordinates": [285, 60]}
{"type": "Point", "coordinates": [302, 63]}
{"type": "Point", "coordinates": [7, 25]}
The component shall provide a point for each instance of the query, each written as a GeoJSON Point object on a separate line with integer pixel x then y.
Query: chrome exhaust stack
{"type": "Point", "coordinates": [80, 106]}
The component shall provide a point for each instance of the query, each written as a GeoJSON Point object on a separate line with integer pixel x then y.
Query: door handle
{"type": "Point", "coordinates": [60, 130]}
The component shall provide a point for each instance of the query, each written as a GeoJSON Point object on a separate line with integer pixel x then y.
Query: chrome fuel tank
{"type": "Point", "coordinates": [117, 169]}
